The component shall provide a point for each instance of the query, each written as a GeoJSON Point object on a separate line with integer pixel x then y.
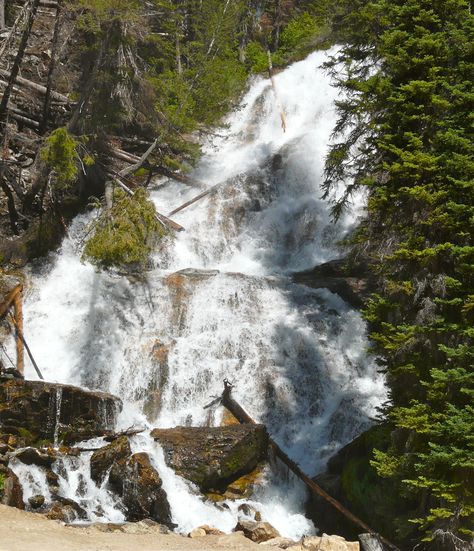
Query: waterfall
{"type": "Point", "coordinates": [219, 303]}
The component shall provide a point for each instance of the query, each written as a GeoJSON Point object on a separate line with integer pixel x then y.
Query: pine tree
{"type": "Point", "coordinates": [406, 123]}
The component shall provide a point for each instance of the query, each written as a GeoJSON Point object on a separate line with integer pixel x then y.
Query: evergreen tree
{"type": "Point", "coordinates": [406, 127]}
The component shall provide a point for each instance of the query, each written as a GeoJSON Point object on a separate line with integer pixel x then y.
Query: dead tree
{"type": "Point", "coordinates": [18, 60]}
{"type": "Point", "coordinates": [52, 67]}
{"type": "Point", "coordinates": [2, 14]}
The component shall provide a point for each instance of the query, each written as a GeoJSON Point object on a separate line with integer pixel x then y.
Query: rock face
{"type": "Point", "coordinates": [353, 283]}
{"type": "Point", "coordinates": [352, 480]}
{"type": "Point", "coordinates": [37, 411]}
{"type": "Point", "coordinates": [257, 531]}
{"type": "Point", "coordinates": [139, 484]}
{"type": "Point", "coordinates": [212, 457]}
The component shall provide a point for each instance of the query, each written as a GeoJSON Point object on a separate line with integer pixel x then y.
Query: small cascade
{"type": "Point", "coordinates": [59, 398]}
{"type": "Point", "coordinates": [219, 302]}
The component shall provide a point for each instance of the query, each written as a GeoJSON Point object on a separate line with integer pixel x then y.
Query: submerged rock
{"type": "Point", "coordinates": [213, 457]}
{"type": "Point", "coordinates": [38, 412]}
{"type": "Point", "coordinates": [257, 531]}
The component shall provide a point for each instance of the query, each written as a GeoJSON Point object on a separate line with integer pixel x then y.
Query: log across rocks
{"type": "Point", "coordinates": [213, 457]}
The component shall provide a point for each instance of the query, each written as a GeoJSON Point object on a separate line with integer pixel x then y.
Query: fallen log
{"type": "Point", "coordinates": [39, 88]}
{"type": "Point", "coordinates": [132, 431]}
{"type": "Point", "coordinates": [209, 191]}
{"type": "Point", "coordinates": [124, 156]}
{"type": "Point", "coordinates": [25, 120]}
{"type": "Point", "coordinates": [140, 162]}
{"type": "Point", "coordinates": [243, 417]}
{"type": "Point", "coordinates": [183, 178]}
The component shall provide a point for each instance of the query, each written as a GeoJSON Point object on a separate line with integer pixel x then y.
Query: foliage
{"type": "Point", "coordinates": [406, 70]}
{"type": "Point", "coordinates": [125, 233]}
{"type": "Point", "coordinates": [60, 154]}
{"type": "Point", "coordinates": [2, 482]}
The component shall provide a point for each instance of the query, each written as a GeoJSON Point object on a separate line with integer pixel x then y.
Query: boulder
{"type": "Point", "coordinates": [32, 456]}
{"type": "Point", "coordinates": [37, 411]}
{"type": "Point", "coordinates": [197, 533]}
{"type": "Point", "coordinates": [257, 531]}
{"type": "Point", "coordinates": [213, 457]}
{"type": "Point", "coordinates": [36, 501]}
{"type": "Point", "coordinates": [103, 459]}
{"type": "Point", "coordinates": [139, 485]}
{"type": "Point", "coordinates": [325, 543]}
{"type": "Point", "coordinates": [12, 492]}
{"type": "Point", "coordinates": [211, 531]}
{"type": "Point", "coordinates": [66, 510]}
{"type": "Point", "coordinates": [282, 543]}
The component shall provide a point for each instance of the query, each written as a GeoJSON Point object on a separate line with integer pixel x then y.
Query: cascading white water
{"type": "Point", "coordinates": [297, 355]}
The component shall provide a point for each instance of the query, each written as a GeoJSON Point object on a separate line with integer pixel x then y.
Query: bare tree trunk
{"type": "Point", "coordinates": [87, 91]}
{"type": "Point", "coordinates": [2, 14]}
{"type": "Point", "coordinates": [52, 66]}
{"type": "Point", "coordinates": [18, 60]}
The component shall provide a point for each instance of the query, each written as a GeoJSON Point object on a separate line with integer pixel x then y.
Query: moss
{"type": "Point", "coordinates": [2, 482]}
{"type": "Point", "coordinates": [125, 234]}
{"type": "Point", "coordinates": [26, 434]}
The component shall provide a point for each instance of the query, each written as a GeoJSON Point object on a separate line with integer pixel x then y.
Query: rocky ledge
{"type": "Point", "coordinates": [38, 413]}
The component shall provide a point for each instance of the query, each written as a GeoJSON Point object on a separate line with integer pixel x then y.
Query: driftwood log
{"type": "Point", "coordinates": [243, 417]}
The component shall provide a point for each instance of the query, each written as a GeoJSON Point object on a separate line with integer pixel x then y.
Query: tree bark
{"type": "Point", "coordinates": [18, 61]}
{"type": "Point", "coordinates": [52, 67]}
{"type": "Point", "coordinates": [2, 14]}
{"type": "Point", "coordinates": [195, 199]}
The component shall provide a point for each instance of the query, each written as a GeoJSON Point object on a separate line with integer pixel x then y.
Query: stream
{"type": "Point", "coordinates": [218, 302]}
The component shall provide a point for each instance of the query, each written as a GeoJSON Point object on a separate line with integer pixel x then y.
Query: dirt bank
{"type": "Point", "coordinates": [21, 531]}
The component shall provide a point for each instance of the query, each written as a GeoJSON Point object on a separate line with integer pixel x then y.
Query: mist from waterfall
{"type": "Point", "coordinates": [297, 356]}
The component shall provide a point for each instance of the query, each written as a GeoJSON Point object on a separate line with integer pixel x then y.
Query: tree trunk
{"type": "Point", "coordinates": [2, 14]}
{"type": "Point", "coordinates": [87, 91]}
{"type": "Point", "coordinates": [52, 66]}
{"type": "Point", "coordinates": [18, 61]}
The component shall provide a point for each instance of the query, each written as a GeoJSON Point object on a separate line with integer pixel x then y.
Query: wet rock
{"type": "Point", "coordinates": [3, 448]}
{"type": "Point", "coordinates": [197, 533]}
{"type": "Point", "coordinates": [139, 484]}
{"type": "Point", "coordinates": [32, 456]}
{"type": "Point", "coordinates": [36, 501]}
{"type": "Point", "coordinates": [352, 282]}
{"type": "Point", "coordinates": [153, 394]}
{"type": "Point", "coordinates": [36, 410]}
{"type": "Point", "coordinates": [66, 510]}
{"type": "Point", "coordinates": [12, 493]}
{"type": "Point", "coordinates": [249, 511]}
{"type": "Point", "coordinates": [213, 457]}
{"type": "Point", "coordinates": [103, 459]}
{"type": "Point", "coordinates": [257, 531]}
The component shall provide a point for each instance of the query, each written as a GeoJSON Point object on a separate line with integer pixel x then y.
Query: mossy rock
{"type": "Point", "coordinates": [213, 457]}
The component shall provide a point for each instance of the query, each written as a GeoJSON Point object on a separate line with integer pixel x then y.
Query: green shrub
{"type": "Point", "coordinates": [124, 234]}
{"type": "Point", "coordinates": [60, 154]}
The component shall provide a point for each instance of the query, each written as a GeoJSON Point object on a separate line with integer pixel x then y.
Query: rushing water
{"type": "Point", "coordinates": [164, 341]}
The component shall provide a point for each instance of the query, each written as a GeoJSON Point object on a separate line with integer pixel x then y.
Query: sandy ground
{"type": "Point", "coordinates": [21, 531]}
